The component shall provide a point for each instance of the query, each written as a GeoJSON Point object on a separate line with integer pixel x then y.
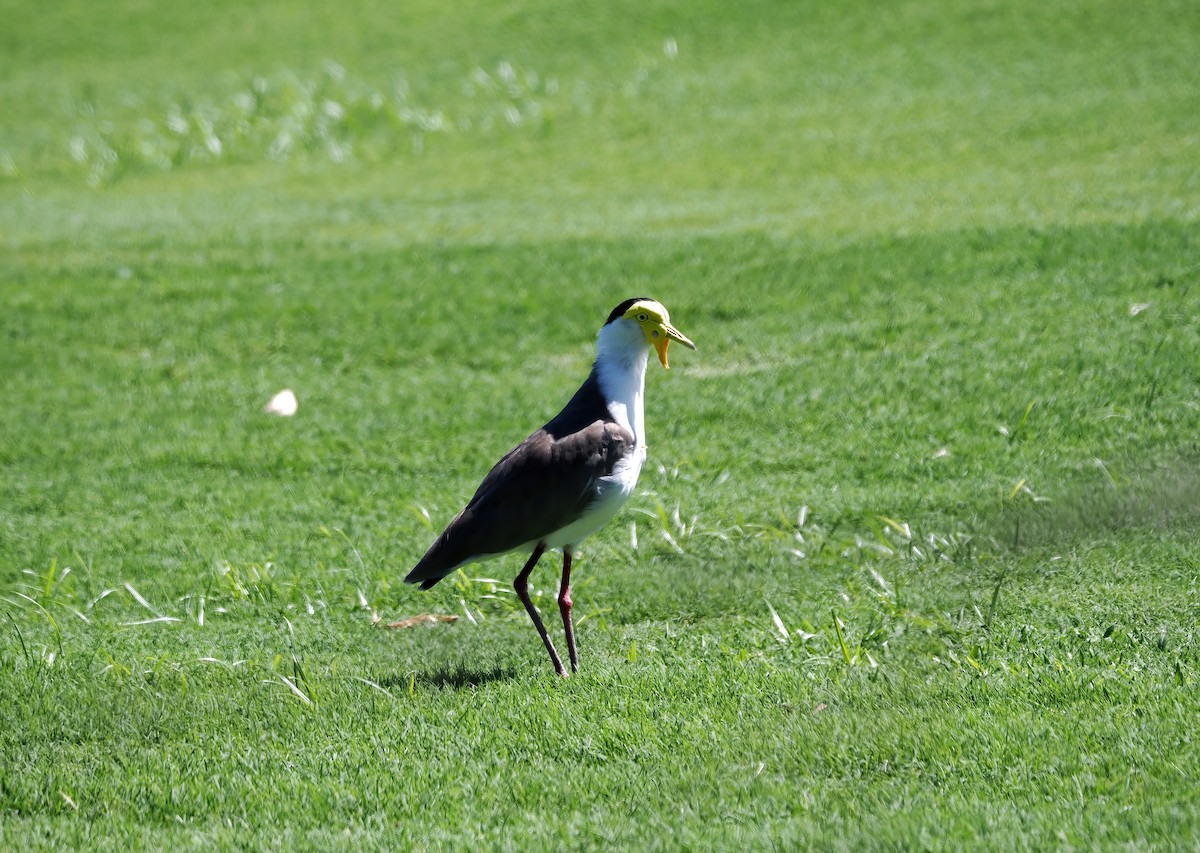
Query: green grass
{"type": "Point", "coordinates": [913, 564]}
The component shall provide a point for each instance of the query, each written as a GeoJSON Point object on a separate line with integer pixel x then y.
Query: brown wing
{"type": "Point", "coordinates": [542, 485]}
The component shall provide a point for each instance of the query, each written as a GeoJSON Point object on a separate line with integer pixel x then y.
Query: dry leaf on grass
{"type": "Point", "coordinates": [423, 619]}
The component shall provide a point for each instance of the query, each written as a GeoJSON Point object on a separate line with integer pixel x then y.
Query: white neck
{"type": "Point", "coordinates": [621, 355]}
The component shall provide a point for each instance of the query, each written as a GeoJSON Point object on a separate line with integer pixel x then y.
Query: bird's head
{"type": "Point", "coordinates": [654, 321]}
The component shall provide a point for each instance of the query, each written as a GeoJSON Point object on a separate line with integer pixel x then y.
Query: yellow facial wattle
{"type": "Point", "coordinates": [656, 325]}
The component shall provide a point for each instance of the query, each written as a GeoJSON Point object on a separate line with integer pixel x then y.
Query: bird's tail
{"type": "Point", "coordinates": [459, 544]}
{"type": "Point", "coordinates": [443, 557]}
{"type": "Point", "coordinates": [427, 572]}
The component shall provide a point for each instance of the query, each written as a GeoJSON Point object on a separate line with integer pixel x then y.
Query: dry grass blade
{"type": "Point", "coordinates": [375, 685]}
{"type": "Point", "coordinates": [140, 599]}
{"type": "Point", "coordinates": [779, 626]}
{"type": "Point", "coordinates": [291, 685]}
{"type": "Point", "coordinates": [150, 621]}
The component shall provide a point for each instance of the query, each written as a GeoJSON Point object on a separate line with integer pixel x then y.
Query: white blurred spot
{"type": "Point", "coordinates": [334, 70]}
{"type": "Point", "coordinates": [1137, 308]}
{"type": "Point", "coordinates": [670, 48]}
{"type": "Point", "coordinates": [941, 454]}
{"type": "Point", "coordinates": [284, 403]}
{"type": "Point", "coordinates": [176, 123]}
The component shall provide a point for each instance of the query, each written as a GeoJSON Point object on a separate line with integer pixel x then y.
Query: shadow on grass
{"type": "Point", "coordinates": [455, 677]}
{"type": "Point", "coordinates": [1149, 497]}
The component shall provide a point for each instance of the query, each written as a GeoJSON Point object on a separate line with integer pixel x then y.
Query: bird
{"type": "Point", "coordinates": [569, 478]}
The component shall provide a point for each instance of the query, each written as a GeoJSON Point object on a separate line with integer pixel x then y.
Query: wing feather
{"type": "Point", "coordinates": [542, 485]}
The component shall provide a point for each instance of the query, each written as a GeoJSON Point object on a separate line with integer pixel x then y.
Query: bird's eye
{"type": "Point", "coordinates": [642, 318]}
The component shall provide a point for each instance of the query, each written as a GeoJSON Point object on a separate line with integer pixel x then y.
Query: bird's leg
{"type": "Point", "coordinates": [564, 606]}
{"type": "Point", "coordinates": [521, 585]}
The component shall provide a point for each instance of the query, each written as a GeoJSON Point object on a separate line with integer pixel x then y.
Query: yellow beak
{"type": "Point", "coordinates": [661, 337]}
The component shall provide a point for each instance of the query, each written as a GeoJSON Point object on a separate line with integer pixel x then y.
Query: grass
{"type": "Point", "coordinates": [913, 564]}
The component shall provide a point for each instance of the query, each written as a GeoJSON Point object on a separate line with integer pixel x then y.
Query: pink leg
{"type": "Point", "coordinates": [521, 585]}
{"type": "Point", "coordinates": [564, 606]}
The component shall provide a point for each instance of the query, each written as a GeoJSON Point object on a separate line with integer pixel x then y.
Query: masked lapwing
{"type": "Point", "coordinates": [569, 478]}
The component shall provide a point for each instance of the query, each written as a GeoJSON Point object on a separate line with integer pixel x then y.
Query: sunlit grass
{"type": "Point", "coordinates": [913, 560]}
{"type": "Point", "coordinates": [330, 116]}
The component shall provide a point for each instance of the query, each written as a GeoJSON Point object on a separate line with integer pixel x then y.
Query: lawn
{"type": "Point", "coordinates": [913, 563]}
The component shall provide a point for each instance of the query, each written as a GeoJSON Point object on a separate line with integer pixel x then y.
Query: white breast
{"type": "Point", "coordinates": [611, 493]}
{"type": "Point", "coordinates": [621, 355]}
